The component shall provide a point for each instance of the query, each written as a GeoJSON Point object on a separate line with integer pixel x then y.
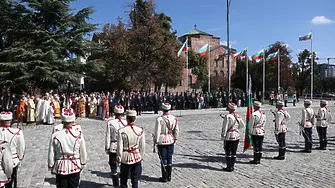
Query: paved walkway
{"type": "Point", "coordinates": [198, 159]}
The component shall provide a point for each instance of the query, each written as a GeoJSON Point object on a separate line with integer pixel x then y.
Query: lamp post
{"type": "Point", "coordinates": [228, 58]}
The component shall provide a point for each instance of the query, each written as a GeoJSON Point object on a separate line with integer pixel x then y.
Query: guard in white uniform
{"type": "Point", "coordinates": [282, 117]}
{"type": "Point", "coordinates": [232, 122]}
{"type": "Point", "coordinates": [58, 127]}
{"type": "Point", "coordinates": [112, 130]}
{"type": "Point", "coordinates": [14, 137]}
{"type": "Point", "coordinates": [67, 153]}
{"type": "Point", "coordinates": [6, 163]}
{"type": "Point", "coordinates": [166, 134]}
{"type": "Point", "coordinates": [256, 130]}
{"type": "Point", "coordinates": [130, 150]}
{"type": "Point", "coordinates": [307, 122]}
{"type": "Point", "coordinates": [323, 117]}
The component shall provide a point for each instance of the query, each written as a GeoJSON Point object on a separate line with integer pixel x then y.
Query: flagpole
{"type": "Point", "coordinates": [312, 67]}
{"type": "Point", "coordinates": [186, 84]}
{"type": "Point", "coordinates": [247, 72]}
{"type": "Point", "coordinates": [263, 79]}
{"type": "Point", "coordinates": [209, 66]}
{"type": "Point", "coordinates": [278, 72]}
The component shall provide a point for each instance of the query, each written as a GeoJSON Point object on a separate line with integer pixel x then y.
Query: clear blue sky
{"type": "Point", "coordinates": [254, 23]}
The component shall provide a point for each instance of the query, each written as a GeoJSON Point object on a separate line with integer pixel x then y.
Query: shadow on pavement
{"type": "Point", "coordinates": [89, 184]}
{"type": "Point", "coordinates": [149, 179]}
{"type": "Point", "coordinates": [195, 166]}
{"type": "Point", "coordinates": [51, 181]}
{"type": "Point", "coordinates": [102, 174]}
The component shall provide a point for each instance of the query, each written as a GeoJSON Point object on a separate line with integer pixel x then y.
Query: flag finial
{"type": "Point", "coordinates": [195, 26]}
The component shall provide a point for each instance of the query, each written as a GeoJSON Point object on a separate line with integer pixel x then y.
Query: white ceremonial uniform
{"type": "Point", "coordinates": [58, 127]}
{"type": "Point", "coordinates": [166, 129]}
{"type": "Point", "coordinates": [67, 152]}
{"type": "Point", "coordinates": [14, 137]}
{"type": "Point", "coordinates": [6, 167]}
{"type": "Point", "coordinates": [308, 117]}
{"type": "Point", "coordinates": [257, 122]}
{"type": "Point", "coordinates": [281, 117]}
{"type": "Point", "coordinates": [130, 144]}
{"type": "Point", "coordinates": [230, 128]}
{"type": "Point", "coordinates": [323, 117]}
{"type": "Point", "coordinates": [113, 127]}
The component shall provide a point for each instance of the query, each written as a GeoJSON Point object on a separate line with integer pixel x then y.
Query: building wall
{"type": "Point", "coordinates": [218, 67]}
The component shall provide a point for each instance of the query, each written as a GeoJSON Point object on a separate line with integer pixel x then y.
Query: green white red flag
{"type": "Point", "coordinates": [306, 37]}
{"type": "Point", "coordinates": [258, 55]}
{"type": "Point", "coordinates": [203, 50]}
{"type": "Point", "coordinates": [247, 138]}
{"type": "Point", "coordinates": [183, 48]}
{"type": "Point", "coordinates": [272, 57]}
{"type": "Point", "coordinates": [242, 53]}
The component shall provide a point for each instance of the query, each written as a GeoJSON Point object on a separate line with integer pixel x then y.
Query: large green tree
{"type": "Point", "coordinates": [198, 66]}
{"type": "Point", "coordinates": [43, 44]}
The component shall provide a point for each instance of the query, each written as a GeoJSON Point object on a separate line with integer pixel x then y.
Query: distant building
{"type": "Point", "coordinates": [324, 72]}
{"type": "Point", "coordinates": [218, 60]}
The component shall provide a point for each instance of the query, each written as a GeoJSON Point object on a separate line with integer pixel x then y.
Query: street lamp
{"type": "Point", "coordinates": [228, 58]}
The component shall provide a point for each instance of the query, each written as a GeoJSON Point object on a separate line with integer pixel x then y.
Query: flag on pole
{"type": "Point", "coordinates": [183, 48]}
{"type": "Point", "coordinates": [247, 138]}
{"type": "Point", "coordinates": [242, 53]}
{"type": "Point", "coordinates": [203, 50]}
{"type": "Point", "coordinates": [258, 55]}
{"type": "Point", "coordinates": [306, 37]}
{"type": "Point", "coordinates": [272, 57]}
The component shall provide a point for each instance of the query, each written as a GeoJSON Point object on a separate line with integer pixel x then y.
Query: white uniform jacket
{"type": "Point", "coordinates": [166, 130]}
{"type": "Point", "coordinates": [6, 163]}
{"type": "Point", "coordinates": [230, 127]}
{"type": "Point", "coordinates": [130, 144]}
{"type": "Point", "coordinates": [14, 137]}
{"type": "Point", "coordinates": [67, 152]}
{"type": "Point", "coordinates": [58, 127]}
{"type": "Point", "coordinates": [113, 127]}
{"type": "Point", "coordinates": [257, 122]}
{"type": "Point", "coordinates": [308, 118]}
{"type": "Point", "coordinates": [281, 118]}
{"type": "Point", "coordinates": [323, 117]}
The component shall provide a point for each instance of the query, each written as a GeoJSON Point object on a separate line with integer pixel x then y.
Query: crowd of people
{"type": "Point", "coordinates": [44, 108]}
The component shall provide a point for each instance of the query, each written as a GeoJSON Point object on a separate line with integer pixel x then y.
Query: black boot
{"type": "Point", "coordinates": [281, 155]}
{"type": "Point", "coordinates": [163, 178]}
{"type": "Point", "coordinates": [324, 145]}
{"type": "Point", "coordinates": [169, 171]}
{"type": "Point", "coordinates": [229, 164]}
{"type": "Point", "coordinates": [233, 160]}
{"type": "Point", "coordinates": [321, 145]}
{"type": "Point", "coordinates": [255, 159]}
{"type": "Point", "coordinates": [259, 157]}
{"type": "Point", "coordinates": [115, 180]}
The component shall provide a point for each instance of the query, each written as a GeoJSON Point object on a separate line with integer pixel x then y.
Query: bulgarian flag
{"type": "Point", "coordinates": [259, 55]}
{"type": "Point", "coordinates": [183, 48]}
{"type": "Point", "coordinates": [306, 37]}
{"type": "Point", "coordinates": [203, 50]}
{"type": "Point", "coordinates": [247, 138]}
{"type": "Point", "coordinates": [242, 53]}
{"type": "Point", "coordinates": [272, 57]}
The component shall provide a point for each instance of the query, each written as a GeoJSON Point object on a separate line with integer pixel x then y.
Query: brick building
{"type": "Point", "coordinates": [218, 60]}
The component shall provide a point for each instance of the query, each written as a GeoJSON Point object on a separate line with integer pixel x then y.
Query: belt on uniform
{"type": "Point", "coordinates": [130, 150]}
{"type": "Point", "coordinates": [114, 141]}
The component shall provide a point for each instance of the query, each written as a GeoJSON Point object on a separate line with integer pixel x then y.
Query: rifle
{"type": "Point", "coordinates": [154, 143]}
{"type": "Point", "coordinates": [301, 128]}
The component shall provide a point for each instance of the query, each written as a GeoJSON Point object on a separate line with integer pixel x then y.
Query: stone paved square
{"type": "Point", "coordinates": [198, 158]}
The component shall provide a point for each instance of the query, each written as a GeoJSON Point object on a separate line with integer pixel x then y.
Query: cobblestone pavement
{"type": "Point", "coordinates": [199, 156]}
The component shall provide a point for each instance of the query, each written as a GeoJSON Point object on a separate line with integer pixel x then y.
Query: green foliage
{"type": "Point", "coordinates": [42, 44]}
{"type": "Point", "coordinates": [143, 53]}
{"type": "Point", "coordinates": [198, 66]}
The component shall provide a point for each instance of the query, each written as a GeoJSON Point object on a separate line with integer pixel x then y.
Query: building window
{"type": "Point", "coordinates": [180, 83]}
{"type": "Point", "coordinates": [215, 73]}
{"type": "Point", "coordinates": [215, 63]}
{"type": "Point", "coordinates": [222, 74]}
{"type": "Point", "coordinates": [221, 64]}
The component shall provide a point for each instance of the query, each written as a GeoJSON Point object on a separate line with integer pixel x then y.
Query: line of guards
{"type": "Point", "coordinates": [125, 142]}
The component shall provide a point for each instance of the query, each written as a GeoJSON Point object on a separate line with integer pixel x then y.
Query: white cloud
{"type": "Point", "coordinates": [321, 20]}
{"type": "Point", "coordinates": [230, 43]}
